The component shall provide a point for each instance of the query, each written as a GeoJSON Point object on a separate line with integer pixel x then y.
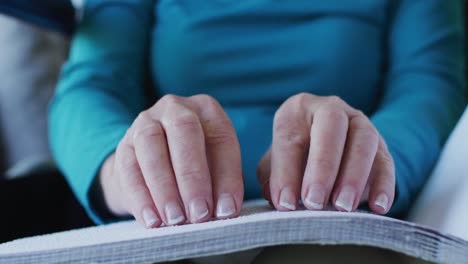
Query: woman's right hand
{"type": "Point", "coordinates": [180, 160]}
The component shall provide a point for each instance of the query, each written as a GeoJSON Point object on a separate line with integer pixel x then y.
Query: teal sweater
{"type": "Point", "coordinates": [400, 62]}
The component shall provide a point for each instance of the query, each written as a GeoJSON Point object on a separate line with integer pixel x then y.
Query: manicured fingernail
{"type": "Point", "coordinates": [226, 206]}
{"type": "Point", "coordinates": [149, 217]}
{"type": "Point", "coordinates": [315, 198]}
{"type": "Point", "coordinates": [346, 198]}
{"type": "Point", "coordinates": [198, 210]}
{"type": "Point", "coordinates": [382, 201]}
{"type": "Point", "coordinates": [174, 214]}
{"type": "Point", "coordinates": [287, 199]}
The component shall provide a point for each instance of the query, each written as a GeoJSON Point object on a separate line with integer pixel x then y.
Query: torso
{"type": "Point", "coordinates": [252, 55]}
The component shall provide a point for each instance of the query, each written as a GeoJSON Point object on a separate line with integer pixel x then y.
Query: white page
{"type": "Point", "coordinates": [258, 226]}
{"type": "Point", "coordinates": [443, 204]}
{"type": "Point", "coordinates": [253, 211]}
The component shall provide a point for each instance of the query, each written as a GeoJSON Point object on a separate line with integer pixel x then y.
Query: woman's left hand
{"type": "Point", "coordinates": [324, 150]}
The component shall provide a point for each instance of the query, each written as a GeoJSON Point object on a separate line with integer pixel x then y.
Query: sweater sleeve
{"type": "Point", "coordinates": [100, 91]}
{"type": "Point", "coordinates": [424, 92]}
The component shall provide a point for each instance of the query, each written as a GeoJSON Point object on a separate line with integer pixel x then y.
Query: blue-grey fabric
{"type": "Point", "coordinates": [30, 59]}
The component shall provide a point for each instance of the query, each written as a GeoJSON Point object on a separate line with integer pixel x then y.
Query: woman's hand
{"type": "Point", "coordinates": [179, 160]}
{"type": "Point", "coordinates": [323, 150]}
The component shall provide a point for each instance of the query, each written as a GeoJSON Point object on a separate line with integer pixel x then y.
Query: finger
{"type": "Point", "coordinates": [153, 157]}
{"type": "Point", "coordinates": [382, 181]}
{"type": "Point", "coordinates": [289, 148]}
{"type": "Point", "coordinates": [138, 199]}
{"type": "Point", "coordinates": [328, 138]}
{"type": "Point", "coordinates": [223, 154]}
{"type": "Point", "coordinates": [186, 144]}
{"type": "Point", "coordinates": [365, 194]}
{"type": "Point", "coordinates": [110, 183]}
{"type": "Point", "coordinates": [263, 175]}
{"type": "Point", "coordinates": [359, 154]}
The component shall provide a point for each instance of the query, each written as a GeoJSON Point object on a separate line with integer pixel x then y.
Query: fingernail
{"type": "Point", "coordinates": [226, 206]}
{"type": "Point", "coordinates": [315, 198]}
{"type": "Point", "coordinates": [346, 198]}
{"type": "Point", "coordinates": [198, 210]}
{"type": "Point", "coordinates": [174, 214]}
{"type": "Point", "coordinates": [287, 199]}
{"type": "Point", "coordinates": [382, 201]}
{"type": "Point", "coordinates": [149, 217]}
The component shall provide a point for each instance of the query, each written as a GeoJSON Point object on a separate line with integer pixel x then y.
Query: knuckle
{"type": "Point", "coordinates": [136, 190]}
{"type": "Point", "coordinates": [364, 150]}
{"type": "Point", "coordinates": [170, 99]}
{"type": "Point", "coordinates": [143, 117]}
{"type": "Point", "coordinates": [279, 117]}
{"type": "Point", "coordinates": [300, 98]}
{"type": "Point", "coordinates": [370, 133]}
{"type": "Point", "coordinates": [297, 107]}
{"type": "Point", "coordinates": [184, 119]}
{"type": "Point", "coordinates": [386, 165]}
{"type": "Point", "coordinates": [124, 163]}
{"type": "Point", "coordinates": [333, 113]}
{"type": "Point", "coordinates": [365, 129]}
{"type": "Point", "coordinates": [127, 167]}
{"type": "Point", "coordinates": [387, 160]}
{"type": "Point", "coordinates": [138, 198]}
{"type": "Point", "coordinates": [358, 183]}
{"type": "Point", "coordinates": [192, 177]}
{"type": "Point", "coordinates": [126, 140]}
{"type": "Point", "coordinates": [220, 137]}
{"type": "Point", "coordinates": [383, 148]}
{"type": "Point", "coordinates": [324, 165]}
{"type": "Point", "coordinates": [382, 182]}
{"type": "Point", "coordinates": [360, 113]}
{"type": "Point", "coordinates": [148, 131]}
{"type": "Point", "coordinates": [388, 181]}
{"type": "Point", "coordinates": [121, 148]}
{"type": "Point", "coordinates": [335, 101]}
{"type": "Point", "coordinates": [301, 101]}
{"type": "Point", "coordinates": [294, 106]}
{"type": "Point", "coordinates": [291, 134]}
{"type": "Point", "coordinates": [286, 122]}
{"type": "Point", "coordinates": [163, 181]}
{"type": "Point", "coordinates": [356, 114]}
{"type": "Point", "coordinates": [206, 101]}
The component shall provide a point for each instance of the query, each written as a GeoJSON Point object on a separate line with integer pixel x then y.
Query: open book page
{"type": "Point", "coordinates": [123, 231]}
{"type": "Point", "coordinates": [258, 226]}
{"type": "Point", "coordinates": [443, 203]}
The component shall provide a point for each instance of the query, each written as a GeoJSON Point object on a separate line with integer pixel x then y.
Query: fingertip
{"type": "Point", "coordinates": [149, 218]}
{"type": "Point", "coordinates": [199, 210]}
{"type": "Point", "coordinates": [226, 206]}
{"type": "Point", "coordinates": [382, 187]}
{"type": "Point", "coordinates": [314, 199]}
{"type": "Point", "coordinates": [287, 200]}
{"type": "Point", "coordinates": [346, 199]}
{"type": "Point", "coordinates": [174, 214]}
{"type": "Point", "coordinates": [381, 204]}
